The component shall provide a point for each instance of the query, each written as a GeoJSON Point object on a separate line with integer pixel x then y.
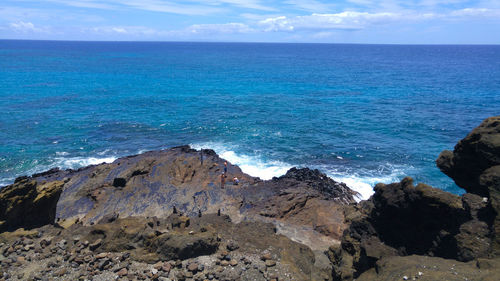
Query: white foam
{"type": "Point", "coordinates": [249, 164]}
{"type": "Point", "coordinates": [78, 162]}
{"type": "Point", "coordinates": [61, 162]}
{"type": "Point", "coordinates": [361, 181]}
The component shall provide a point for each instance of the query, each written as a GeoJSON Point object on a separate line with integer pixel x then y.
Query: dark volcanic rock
{"type": "Point", "coordinates": [401, 219]}
{"type": "Point", "coordinates": [28, 204]}
{"type": "Point", "coordinates": [472, 156]}
{"type": "Point", "coordinates": [321, 182]}
{"type": "Point", "coordinates": [474, 165]}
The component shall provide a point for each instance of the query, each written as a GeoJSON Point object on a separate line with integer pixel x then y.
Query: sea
{"type": "Point", "coordinates": [362, 114]}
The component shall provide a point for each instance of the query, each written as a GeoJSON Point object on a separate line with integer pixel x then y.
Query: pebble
{"type": "Point", "coordinates": [62, 244]}
{"type": "Point", "coordinates": [266, 256]}
{"type": "Point", "coordinates": [270, 263]}
{"type": "Point", "coordinates": [232, 246]}
{"type": "Point", "coordinates": [166, 267]}
{"type": "Point", "coordinates": [192, 267]}
{"type": "Point", "coordinates": [125, 256]}
{"type": "Point", "coordinates": [233, 262]}
{"type": "Point", "coordinates": [95, 245]}
{"type": "Point", "coordinates": [122, 272]}
{"type": "Point", "coordinates": [45, 242]}
{"type": "Point", "coordinates": [61, 272]}
{"type": "Point", "coordinates": [101, 256]}
{"type": "Point", "coordinates": [224, 263]}
{"type": "Point", "coordinates": [103, 263]}
{"type": "Point", "coordinates": [158, 265]}
{"type": "Point", "coordinates": [405, 277]}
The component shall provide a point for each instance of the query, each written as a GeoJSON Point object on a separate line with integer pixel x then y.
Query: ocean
{"type": "Point", "coordinates": [360, 113]}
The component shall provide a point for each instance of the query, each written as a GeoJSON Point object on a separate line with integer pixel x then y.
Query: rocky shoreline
{"type": "Point", "coordinates": [163, 215]}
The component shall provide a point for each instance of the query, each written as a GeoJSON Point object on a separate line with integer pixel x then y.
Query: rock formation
{"type": "Point", "coordinates": [401, 226]}
{"type": "Point", "coordinates": [474, 165]}
{"type": "Point", "coordinates": [165, 215]}
{"type": "Point", "coordinates": [28, 204]}
{"type": "Point", "coordinates": [168, 205]}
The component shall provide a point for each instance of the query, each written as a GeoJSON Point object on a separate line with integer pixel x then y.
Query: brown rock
{"type": "Point", "coordinates": [61, 272]}
{"type": "Point", "coordinates": [224, 263]}
{"type": "Point", "coordinates": [270, 263]}
{"type": "Point", "coordinates": [158, 265]}
{"type": "Point", "coordinates": [122, 272]}
{"type": "Point", "coordinates": [28, 204]}
{"type": "Point", "coordinates": [193, 267]}
{"type": "Point", "coordinates": [233, 262]}
{"type": "Point", "coordinates": [166, 267]}
{"type": "Point", "coordinates": [101, 255]}
{"type": "Point", "coordinates": [266, 256]}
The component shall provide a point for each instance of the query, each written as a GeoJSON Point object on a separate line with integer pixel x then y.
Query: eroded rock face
{"type": "Point", "coordinates": [474, 165]}
{"type": "Point", "coordinates": [28, 204]}
{"type": "Point", "coordinates": [401, 219]}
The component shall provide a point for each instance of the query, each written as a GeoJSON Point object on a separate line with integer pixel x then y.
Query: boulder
{"type": "Point", "coordinates": [472, 156]}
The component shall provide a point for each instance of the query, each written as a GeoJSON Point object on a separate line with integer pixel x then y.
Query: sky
{"type": "Point", "coordinates": [315, 21]}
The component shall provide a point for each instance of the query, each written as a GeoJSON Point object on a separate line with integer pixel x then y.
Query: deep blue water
{"type": "Point", "coordinates": [360, 113]}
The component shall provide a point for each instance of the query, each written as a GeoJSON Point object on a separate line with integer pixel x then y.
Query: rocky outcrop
{"type": "Point", "coordinates": [28, 204]}
{"type": "Point", "coordinates": [401, 219]}
{"type": "Point", "coordinates": [475, 159]}
{"type": "Point", "coordinates": [474, 165]}
{"type": "Point", "coordinates": [304, 204]}
{"type": "Point", "coordinates": [403, 225]}
{"type": "Point", "coordinates": [106, 204]}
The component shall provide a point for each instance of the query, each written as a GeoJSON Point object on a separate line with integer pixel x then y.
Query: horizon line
{"type": "Point", "coordinates": [252, 42]}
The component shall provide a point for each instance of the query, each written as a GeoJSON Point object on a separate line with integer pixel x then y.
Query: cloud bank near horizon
{"type": "Point", "coordinates": [349, 21]}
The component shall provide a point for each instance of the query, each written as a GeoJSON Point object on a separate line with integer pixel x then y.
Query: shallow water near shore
{"type": "Point", "coordinates": [360, 113]}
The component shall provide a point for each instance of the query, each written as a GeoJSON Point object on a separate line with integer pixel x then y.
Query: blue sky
{"type": "Point", "coordinates": [347, 21]}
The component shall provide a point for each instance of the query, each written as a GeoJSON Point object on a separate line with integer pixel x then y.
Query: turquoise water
{"type": "Point", "coordinates": [360, 113]}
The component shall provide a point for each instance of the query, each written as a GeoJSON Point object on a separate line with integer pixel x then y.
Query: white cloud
{"type": "Point", "coordinates": [24, 27]}
{"type": "Point", "coordinates": [280, 23]}
{"type": "Point", "coordinates": [344, 20]}
{"type": "Point", "coordinates": [220, 28]}
{"type": "Point", "coordinates": [350, 20]}
{"type": "Point", "coordinates": [476, 12]}
{"type": "Point", "coordinates": [123, 30]}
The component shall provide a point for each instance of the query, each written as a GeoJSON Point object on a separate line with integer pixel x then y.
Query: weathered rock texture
{"type": "Point", "coordinates": [101, 202]}
{"type": "Point", "coordinates": [28, 204]}
{"type": "Point", "coordinates": [474, 165]}
{"type": "Point", "coordinates": [402, 219]}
